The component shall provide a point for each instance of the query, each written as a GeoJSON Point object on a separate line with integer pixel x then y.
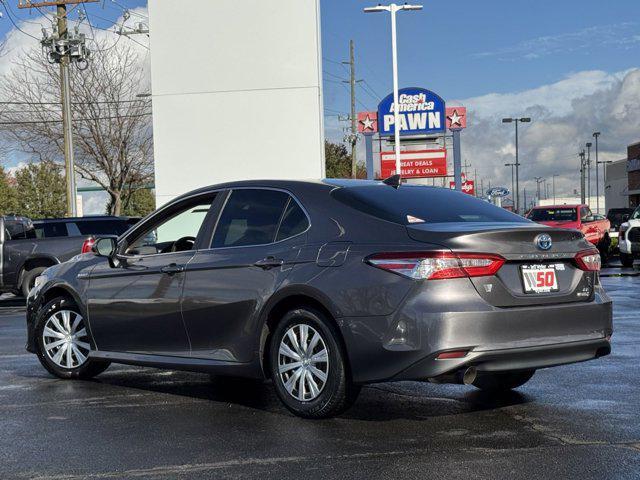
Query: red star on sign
{"type": "Point", "coordinates": [367, 122]}
{"type": "Point", "coordinates": [456, 118]}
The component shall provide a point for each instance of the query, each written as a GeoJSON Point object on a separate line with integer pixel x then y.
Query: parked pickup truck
{"type": "Point", "coordinates": [579, 217]}
{"type": "Point", "coordinates": [629, 239]}
{"type": "Point", "coordinates": [28, 247]}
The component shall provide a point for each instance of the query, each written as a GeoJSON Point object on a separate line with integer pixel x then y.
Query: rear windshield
{"type": "Point", "coordinates": [553, 215]}
{"type": "Point", "coordinates": [615, 215]}
{"type": "Point", "coordinates": [102, 227]}
{"type": "Point", "coordinates": [73, 228]}
{"type": "Point", "coordinates": [418, 204]}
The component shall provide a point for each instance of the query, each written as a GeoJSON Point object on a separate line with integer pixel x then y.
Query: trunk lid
{"type": "Point", "coordinates": [517, 243]}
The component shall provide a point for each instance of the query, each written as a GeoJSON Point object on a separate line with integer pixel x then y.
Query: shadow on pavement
{"type": "Point", "coordinates": [380, 402]}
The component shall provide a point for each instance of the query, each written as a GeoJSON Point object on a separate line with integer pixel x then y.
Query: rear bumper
{"type": "Point", "coordinates": [404, 346]}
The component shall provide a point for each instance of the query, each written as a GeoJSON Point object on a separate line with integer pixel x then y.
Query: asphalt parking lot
{"type": "Point", "coordinates": [577, 421]}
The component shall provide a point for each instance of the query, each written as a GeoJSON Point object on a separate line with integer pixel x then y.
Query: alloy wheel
{"type": "Point", "coordinates": [65, 339]}
{"type": "Point", "coordinates": [303, 362]}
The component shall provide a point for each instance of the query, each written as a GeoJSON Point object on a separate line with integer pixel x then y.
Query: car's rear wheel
{"type": "Point", "coordinates": [309, 367]}
{"type": "Point", "coordinates": [604, 248]}
{"type": "Point", "coordinates": [502, 381]}
{"type": "Point", "coordinates": [63, 341]}
{"type": "Point", "coordinates": [626, 260]}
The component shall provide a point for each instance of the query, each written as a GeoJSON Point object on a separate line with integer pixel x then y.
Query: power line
{"type": "Point", "coordinates": [35, 122]}
{"type": "Point", "coordinates": [75, 103]}
{"type": "Point", "coordinates": [9, 14]}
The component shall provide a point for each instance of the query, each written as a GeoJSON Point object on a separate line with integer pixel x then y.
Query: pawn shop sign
{"type": "Point", "coordinates": [456, 118]}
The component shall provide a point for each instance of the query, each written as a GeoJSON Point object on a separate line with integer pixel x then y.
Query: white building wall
{"type": "Point", "coordinates": [236, 90]}
{"type": "Point", "coordinates": [616, 185]}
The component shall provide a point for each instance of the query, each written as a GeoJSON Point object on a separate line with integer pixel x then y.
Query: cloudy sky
{"type": "Point", "coordinates": [20, 30]}
{"type": "Point", "coordinates": [572, 66]}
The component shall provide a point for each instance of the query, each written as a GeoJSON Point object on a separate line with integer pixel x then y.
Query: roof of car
{"type": "Point", "coordinates": [567, 205]}
{"type": "Point", "coordinates": [89, 217]}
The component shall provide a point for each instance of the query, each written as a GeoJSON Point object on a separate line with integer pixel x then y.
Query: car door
{"type": "Point", "coordinates": [254, 247]}
{"type": "Point", "coordinates": [134, 307]}
{"type": "Point", "coordinates": [589, 226]}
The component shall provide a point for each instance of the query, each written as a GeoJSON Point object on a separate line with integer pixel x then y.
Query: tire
{"type": "Point", "coordinates": [604, 248]}
{"type": "Point", "coordinates": [502, 381]}
{"type": "Point", "coordinates": [29, 279]}
{"type": "Point", "coordinates": [626, 260]}
{"type": "Point", "coordinates": [313, 398]}
{"type": "Point", "coordinates": [61, 315]}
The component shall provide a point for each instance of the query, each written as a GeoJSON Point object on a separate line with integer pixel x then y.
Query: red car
{"type": "Point", "coordinates": [579, 217]}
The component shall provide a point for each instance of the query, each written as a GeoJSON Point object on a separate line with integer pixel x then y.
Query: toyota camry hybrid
{"type": "Point", "coordinates": [323, 287]}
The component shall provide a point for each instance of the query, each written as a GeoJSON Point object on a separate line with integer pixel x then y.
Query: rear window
{"type": "Point", "coordinates": [553, 215]}
{"type": "Point", "coordinates": [50, 230]}
{"type": "Point", "coordinates": [416, 204]}
{"type": "Point", "coordinates": [102, 227]}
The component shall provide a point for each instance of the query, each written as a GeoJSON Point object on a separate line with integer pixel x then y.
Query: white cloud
{"type": "Point", "coordinates": [18, 41]}
{"type": "Point", "coordinates": [564, 116]}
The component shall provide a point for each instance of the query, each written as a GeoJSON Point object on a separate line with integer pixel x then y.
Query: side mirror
{"type": "Point", "coordinates": [105, 246]}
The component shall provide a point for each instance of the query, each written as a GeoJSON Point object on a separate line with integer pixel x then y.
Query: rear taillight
{"type": "Point", "coordinates": [588, 260]}
{"type": "Point", "coordinates": [87, 245]}
{"type": "Point", "coordinates": [437, 265]}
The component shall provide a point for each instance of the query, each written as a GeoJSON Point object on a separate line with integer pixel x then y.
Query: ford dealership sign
{"type": "Point", "coordinates": [421, 112]}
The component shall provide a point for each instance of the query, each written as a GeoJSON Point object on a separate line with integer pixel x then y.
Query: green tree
{"type": "Point", "coordinates": [8, 197]}
{"type": "Point", "coordinates": [338, 162]}
{"type": "Point", "coordinates": [139, 203]}
{"type": "Point", "coordinates": [41, 190]}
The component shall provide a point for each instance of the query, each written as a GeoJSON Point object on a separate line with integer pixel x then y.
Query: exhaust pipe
{"type": "Point", "coordinates": [460, 377]}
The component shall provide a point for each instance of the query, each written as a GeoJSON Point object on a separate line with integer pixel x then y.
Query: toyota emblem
{"type": "Point", "coordinates": [543, 241]}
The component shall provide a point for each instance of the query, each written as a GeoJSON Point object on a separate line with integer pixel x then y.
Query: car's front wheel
{"type": "Point", "coordinates": [309, 367]}
{"type": "Point", "coordinates": [63, 341]}
{"type": "Point", "coordinates": [502, 381]}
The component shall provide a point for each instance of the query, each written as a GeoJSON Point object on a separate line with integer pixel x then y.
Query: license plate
{"type": "Point", "coordinates": [539, 278]}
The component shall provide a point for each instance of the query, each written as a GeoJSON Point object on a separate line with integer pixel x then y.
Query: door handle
{"type": "Point", "coordinates": [269, 262]}
{"type": "Point", "coordinates": [172, 269]}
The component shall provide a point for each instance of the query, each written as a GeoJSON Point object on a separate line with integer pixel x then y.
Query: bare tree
{"type": "Point", "coordinates": [112, 126]}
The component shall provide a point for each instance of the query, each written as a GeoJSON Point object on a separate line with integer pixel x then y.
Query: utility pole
{"type": "Point", "coordinates": [64, 48]}
{"type": "Point", "coordinates": [582, 175]}
{"type": "Point", "coordinates": [353, 138]}
{"type": "Point", "coordinates": [554, 187]}
{"type": "Point", "coordinates": [539, 180]}
{"type": "Point", "coordinates": [516, 121]}
{"type": "Point", "coordinates": [65, 93]}
{"type": "Point", "coordinates": [475, 181]}
{"type": "Point", "coordinates": [589, 173]}
{"type": "Point", "coordinates": [465, 168]}
{"type": "Point", "coordinates": [596, 135]}
{"type": "Point", "coordinates": [512, 183]}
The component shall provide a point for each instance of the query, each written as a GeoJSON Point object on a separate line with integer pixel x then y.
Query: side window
{"type": "Point", "coordinates": [585, 213]}
{"type": "Point", "coordinates": [19, 230]}
{"type": "Point", "coordinates": [177, 233]}
{"type": "Point", "coordinates": [250, 217]}
{"type": "Point", "coordinates": [50, 230]}
{"type": "Point", "coordinates": [294, 221]}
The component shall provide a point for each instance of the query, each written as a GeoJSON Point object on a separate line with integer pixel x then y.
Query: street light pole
{"type": "Point", "coordinates": [512, 182]}
{"type": "Point", "coordinates": [393, 9]}
{"type": "Point", "coordinates": [553, 180]}
{"type": "Point", "coordinates": [589, 173]}
{"type": "Point", "coordinates": [596, 135]}
{"type": "Point", "coordinates": [517, 120]}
